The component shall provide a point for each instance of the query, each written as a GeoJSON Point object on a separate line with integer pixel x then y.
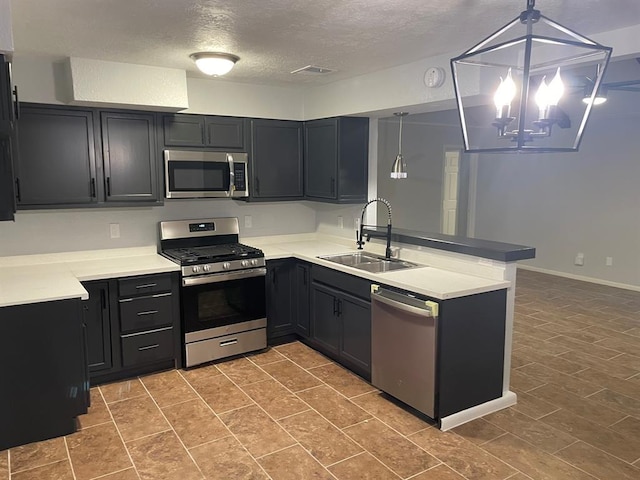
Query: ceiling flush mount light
{"type": "Point", "coordinates": [399, 168]}
{"type": "Point", "coordinates": [214, 63]}
{"type": "Point", "coordinates": [510, 87]}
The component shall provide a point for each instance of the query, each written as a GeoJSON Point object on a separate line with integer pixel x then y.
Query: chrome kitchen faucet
{"type": "Point", "coordinates": [371, 233]}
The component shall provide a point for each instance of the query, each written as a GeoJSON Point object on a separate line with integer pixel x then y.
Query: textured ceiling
{"type": "Point", "coordinates": [274, 37]}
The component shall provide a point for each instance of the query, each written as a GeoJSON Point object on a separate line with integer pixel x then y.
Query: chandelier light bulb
{"type": "Point", "coordinates": [542, 95]}
{"type": "Point", "coordinates": [504, 95]}
{"type": "Point", "coordinates": [556, 89]}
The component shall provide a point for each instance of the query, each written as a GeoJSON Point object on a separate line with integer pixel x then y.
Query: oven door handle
{"type": "Point", "coordinates": [223, 277]}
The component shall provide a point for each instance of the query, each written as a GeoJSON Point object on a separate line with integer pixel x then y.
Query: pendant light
{"type": "Point", "coordinates": [214, 63]}
{"type": "Point", "coordinates": [514, 87]}
{"type": "Point", "coordinates": [399, 168]}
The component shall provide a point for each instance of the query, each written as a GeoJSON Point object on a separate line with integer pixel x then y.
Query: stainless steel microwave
{"type": "Point", "coordinates": [193, 174]}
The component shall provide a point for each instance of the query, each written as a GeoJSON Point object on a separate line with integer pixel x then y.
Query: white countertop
{"type": "Point", "coordinates": [45, 278]}
{"type": "Point", "coordinates": [433, 282]}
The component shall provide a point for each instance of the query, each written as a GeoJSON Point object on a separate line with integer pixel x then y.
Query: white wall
{"type": "Point", "coordinates": [6, 31]}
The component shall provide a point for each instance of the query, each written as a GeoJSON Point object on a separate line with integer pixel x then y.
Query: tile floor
{"type": "Point", "coordinates": [289, 413]}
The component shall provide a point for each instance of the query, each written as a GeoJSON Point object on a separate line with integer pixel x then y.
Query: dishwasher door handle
{"type": "Point", "coordinates": [379, 297]}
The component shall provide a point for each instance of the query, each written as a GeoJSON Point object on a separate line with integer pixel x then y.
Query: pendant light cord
{"type": "Point", "coordinates": [400, 138]}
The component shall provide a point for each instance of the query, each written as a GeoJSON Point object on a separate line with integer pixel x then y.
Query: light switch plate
{"type": "Point", "coordinates": [114, 230]}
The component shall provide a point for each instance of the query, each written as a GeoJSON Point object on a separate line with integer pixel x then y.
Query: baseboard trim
{"type": "Point", "coordinates": [507, 399]}
{"type": "Point", "coordinates": [635, 288]}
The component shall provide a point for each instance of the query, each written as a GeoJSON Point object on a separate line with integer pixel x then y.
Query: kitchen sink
{"type": "Point", "coordinates": [369, 262]}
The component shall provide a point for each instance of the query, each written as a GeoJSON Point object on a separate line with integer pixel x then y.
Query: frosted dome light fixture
{"type": "Point", "coordinates": [214, 63]}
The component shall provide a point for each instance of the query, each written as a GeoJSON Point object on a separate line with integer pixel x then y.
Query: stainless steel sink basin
{"type": "Point", "coordinates": [369, 262]}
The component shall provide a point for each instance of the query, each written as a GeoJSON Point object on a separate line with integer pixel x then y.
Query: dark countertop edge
{"type": "Point", "coordinates": [503, 252]}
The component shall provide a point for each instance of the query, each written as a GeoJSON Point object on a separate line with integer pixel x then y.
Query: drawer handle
{"type": "Point", "coordinates": [226, 343]}
{"type": "Point", "coordinates": [150, 312]}
{"type": "Point", "coordinates": [148, 347]}
{"type": "Point", "coordinates": [146, 285]}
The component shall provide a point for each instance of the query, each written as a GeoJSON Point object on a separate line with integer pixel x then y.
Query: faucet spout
{"type": "Point", "coordinates": [360, 234]}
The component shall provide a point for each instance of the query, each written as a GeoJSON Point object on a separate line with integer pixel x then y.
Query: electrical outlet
{"type": "Point", "coordinates": [114, 230]}
{"type": "Point", "coordinates": [248, 221]}
{"type": "Point", "coordinates": [340, 221]}
{"type": "Point", "coordinates": [579, 260]}
{"type": "Point", "coordinates": [609, 261]}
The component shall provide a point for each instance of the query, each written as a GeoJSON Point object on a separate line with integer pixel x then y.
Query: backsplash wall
{"type": "Point", "coordinates": [52, 231]}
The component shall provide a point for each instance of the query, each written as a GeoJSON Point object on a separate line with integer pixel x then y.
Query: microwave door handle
{"type": "Point", "coordinates": [232, 175]}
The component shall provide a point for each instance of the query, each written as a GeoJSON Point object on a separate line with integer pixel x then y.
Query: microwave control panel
{"type": "Point", "coordinates": [240, 180]}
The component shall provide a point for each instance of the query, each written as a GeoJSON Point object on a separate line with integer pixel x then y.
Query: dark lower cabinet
{"type": "Point", "coordinates": [97, 319]}
{"type": "Point", "coordinates": [7, 191]}
{"type": "Point", "coordinates": [42, 371]}
{"type": "Point", "coordinates": [302, 297]}
{"type": "Point", "coordinates": [280, 303]}
{"type": "Point", "coordinates": [326, 329]}
{"type": "Point", "coordinates": [355, 316]}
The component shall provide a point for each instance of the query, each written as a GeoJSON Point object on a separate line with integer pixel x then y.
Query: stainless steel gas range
{"type": "Point", "coordinates": [222, 296]}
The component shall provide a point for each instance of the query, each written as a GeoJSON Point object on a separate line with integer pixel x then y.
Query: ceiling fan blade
{"type": "Point", "coordinates": [626, 89]}
{"type": "Point", "coordinates": [622, 84]}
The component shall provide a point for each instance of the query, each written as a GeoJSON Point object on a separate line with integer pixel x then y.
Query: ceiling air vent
{"type": "Point", "coordinates": [313, 70]}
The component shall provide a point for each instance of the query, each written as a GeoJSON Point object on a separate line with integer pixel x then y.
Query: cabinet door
{"type": "Point", "coordinates": [353, 159]}
{"type": "Point", "coordinates": [276, 159]}
{"type": "Point", "coordinates": [55, 162]}
{"type": "Point", "coordinates": [130, 160]}
{"type": "Point", "coordinates": [225, 132]}
{"type": "Point", "coordinates": [6, 100]}
{"type": "Point", "coordinates": [356, 332]}
{"type": "Point", "coordinates": [97, 320]}
{"type": "Point", "coordinates": [7, 193]}
{"type": "Point", "coordinates": [325, 322]}
{"type": "Point", "coordinates": [320, 156]}
{"type": "Point", "coordinates": [301, 290]}
{"type": "Point", "coordinates": [183, 130]}
{"type": "Point", "coordinates": [279, 298]}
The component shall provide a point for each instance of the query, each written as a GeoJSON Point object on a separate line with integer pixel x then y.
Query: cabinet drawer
{"type": "Point", "coordinates": [140, 348]}
{"type": "Point", "coordinates": [342, 281]}
{"type": "Point", "coordinates": [142, 313]}
{"type": "Point", "coordinates": [144, 285]}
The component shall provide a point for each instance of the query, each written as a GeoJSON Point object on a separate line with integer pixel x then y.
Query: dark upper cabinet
{"type": "Point", "coordinates": [276, 160]}
{"type": "Point", "coordinates": [204, 131]}
{"type": "Point", "coordinates": [7, 105]}
{"type": "Point", "coordinates": [279, 298]}
{"type": "Point", "coordinates": [56, 159]}
{"type": "Point", "coordinates": [7, 193]}
{"type": "Point", "coordinates": [98, 326]}
{"type": "Point", "coordinates": [336, 159]}
{"type": "Point", "coordinates": [130, 158]}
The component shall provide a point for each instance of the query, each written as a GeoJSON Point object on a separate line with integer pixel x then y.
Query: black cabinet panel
{"type": "Point", "coordinates": [356, 331]}
{"type": "Point", "coordinates": [98, 324]}
{"type": "Point", "coordinates": [56, 158]}
{"type": "Point", "coordinates": [7, 192]}
{"type": "Point", "coordinates": [276, 159]}
{"type": "Point", "coordinates": [130, 160]}
{"type": "Point", "coordinates": [7, 116]}
{"type": "Point", "coordinates": [225, 132]}
{"type": "Point", "coordinates": [183, 130]}
{"type": "Point", "coordinates": [320, 155]}
{"type": "Point", "coordinates": [152, 346]}
{"type": "Point", "coordinates": [326, 329]}
{"type": "Point", "coordinates": [302, 297]}
{"type": "Point", "coordinates": [146, 312]}
{"type": "Point", "coordinates": [279, 299]}
{"type": "Point", "coordinates": [144, 285]}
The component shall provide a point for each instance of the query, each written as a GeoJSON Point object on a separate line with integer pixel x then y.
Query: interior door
{"type": "Point", "coordinates": [450, 191]}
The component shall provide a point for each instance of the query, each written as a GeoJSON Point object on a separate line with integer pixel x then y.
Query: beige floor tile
{"type": "Point", "coordinates": [256, 430]}
{"type": "Point", "coordinates": [53, 471]}
{"type": "Point", "coordinates": [138, 417]}
{"type": "Point", "coordinates": [37, 454]}
{"type": "Point", "coordinates": [611, 367]}
{"type": "Point", "coordinates": [302, 355]}
{"type": "Point", "coordinates": [241, 371]}
{"type": "Point", "coordinates": [320, 438]}
{"type": "Point", "coordinates": [362, 467]}
{"type": "Point", "coordinates": [629, 426]}
{"type": "Point", "coordinates": [611, 442]}
{"type": "Point", "coordinates": [567, 382]}
{"type": "Point", "coordinates": [624, 387]}
{"type": "Point", "coordinates": [532, 406]}
{"type": "Point", "coordinates": [441, 472]}
{"type": "Point", "coordinates": [195, 423]}
{"type": "Point", "coordinates": [546, 347]}
{"type": "Point", "coordinates": [168, 388]}
{"type": "Point", "coordinates": [585, 407]}
{"type": "Point", "coordinates": [4, 464]}
{"type": "Point", "coordinates": [629, 361]}
{"type": "Point", "coordinates": [97, 451]}
{"type": "Point", "coordinates": [479, 431]}
{"type": "Point", "coordinates": [220, 393]}
{"type": "Point", "coordinates": [381, 406]}
{"type": "Point", "coordinates": [162, 457]}
{"type": "Point", "coordinates": [461, 455]}
{"type": "Point", "coordinates": [345, 382]}
{"type": "Point", "coordinates": [293, 464]}
{"type": "Point", "coordinates": [539, 434]}
{"type": "Point", "coordinates": [265, 357]}
{"type": "Point", "coordinates": [98, 412]}
{"type": "Point", "coordinates": [556, 362]}
{"type": "Point", "coordinates": [276, 400]}
{"type": "Point", "coordinates": [618, 345]}
{"type": "Point", "coordinates": [628, 405]}
{"type": "Point", "coordinates": [391, 448]}
{"type": "Point", "coordinates": [200, 374]}
{"type": "Point", "coordinates": [291, 375]}
{"type": "Point", "coordinates": [518, 361]}
{"type": "Point", "coordinates": [532, 461]}
{"type": "Point", "coordinates": [598, 463]}
{"type": "Point", "coordinates": [226, 459]}
{"type": "Point", "coordinates": [128, 474]}
{"type": "Point", "coordinates": [334, 407]}
{"type": "Point", "coordinates": [591, 349]}
{"type": "Point", "coordinates": [114, 392]}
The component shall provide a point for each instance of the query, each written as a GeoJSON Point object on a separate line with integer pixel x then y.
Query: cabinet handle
{"type": "Point", "coordinates": [93, 188]}
{"type": "Point", "coordinates": [274, 278]}
{"type": "Point", "coordinates": [257, 186]}
{"type": "Point", "coordinates": [146, 285]}
{"type": "Point", "coordinates": [339, 307]}
{"type": "Point", "coordinates": [305, 277]}
{"type": "Point", "coordinates": [148, 347]}
{"type": "Point", "coordinates": [18, 196]}
{"type": "Point", "coordinates": [335, 306]}
{"type": "Point", "coordinates": [333, 185]}
{"type": "Point", "coordinates": [103, 299]}
{"type": "Point", "coordinates": [150, 312]}
{"type": "Point", "coordinates": [16, 105]}
{"type": "Point", "coordinates": [108, 186]}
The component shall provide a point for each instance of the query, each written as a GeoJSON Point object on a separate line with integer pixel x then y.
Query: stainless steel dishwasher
{"type": "Point", "coordinates": [403, 347]}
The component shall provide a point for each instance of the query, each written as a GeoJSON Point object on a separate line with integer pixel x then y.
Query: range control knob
{"type": "Point", "coordinates": [195, 268]}
{"type": "Point", "coordinates": [254, 262]}
{"type": "Point", "coordinates": [244, 263]}
{"type": "Point", "coordinates": [226, 265]}
{"type": "Point", "coordinates": [206, 268]}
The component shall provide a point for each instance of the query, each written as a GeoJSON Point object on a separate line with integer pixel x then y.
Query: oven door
{"type": "Point", "coordinates": [198, 174]}
{"type": "Point", "coordinates": [222, 301]}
